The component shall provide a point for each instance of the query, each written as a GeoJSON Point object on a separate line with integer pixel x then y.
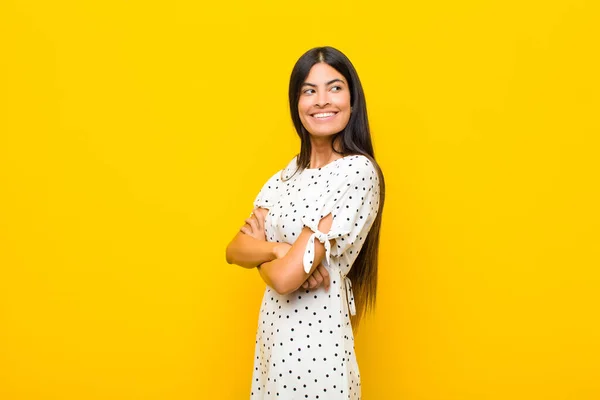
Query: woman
{"type": "Point", "coordinates": [313, 235]}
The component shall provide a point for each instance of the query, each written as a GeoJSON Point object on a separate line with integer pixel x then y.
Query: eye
{"type": "Point", "coordinates": [308, 91]}
{"type": "Point", "coordinates": [336, 88]}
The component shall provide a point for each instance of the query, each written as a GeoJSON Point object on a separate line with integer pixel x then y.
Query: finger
{"type": "Point", "coordinates": [323, 271]}
{"type": "Point", "coordinates": [317, 275]}
{"type": "Point", "coordinates": [305, 285]}
{"type": "Point", "coordinates": [260, 225]}
{"type": "Point", "coordinates": [312, 282]}
{"type": "Point", "coordinates": [245, 229]}
{"type": "Point", "coordinates": [253, 224]}
{"type": "Point", "coordinates": [249, 228]}
{"type": "Point", "coordinates": [262, 215]}
{"type": "Point", "coordinates": [260, 212]}
{"type": "Point", "coordinates": [257, 217]}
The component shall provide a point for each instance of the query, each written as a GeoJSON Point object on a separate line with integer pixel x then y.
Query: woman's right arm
{"type": "Point", "coordinates": [248, 252]}
{"type": "Point", "coordinates": [249, 248]}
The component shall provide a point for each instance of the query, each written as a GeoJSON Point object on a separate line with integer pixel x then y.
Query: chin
{"type": "Point", "coordinates": [324, 132]}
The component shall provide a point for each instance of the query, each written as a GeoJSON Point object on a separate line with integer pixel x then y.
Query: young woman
{"type": "Point", "coordinates": [314, 237]}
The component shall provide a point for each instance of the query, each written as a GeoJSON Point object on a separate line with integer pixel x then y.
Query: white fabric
{"type": "Point", "coordinates": [304, 341]}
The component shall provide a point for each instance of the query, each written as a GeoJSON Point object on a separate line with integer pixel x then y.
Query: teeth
{"type": "Point", "coordinates": [323, 115]}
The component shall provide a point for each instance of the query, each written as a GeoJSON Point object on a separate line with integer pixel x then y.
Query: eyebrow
{"type": "Point", "coordinates": [327, 84]}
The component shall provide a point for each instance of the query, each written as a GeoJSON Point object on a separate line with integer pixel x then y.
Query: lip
{"type": "Point", "coordinates": [324, 118]}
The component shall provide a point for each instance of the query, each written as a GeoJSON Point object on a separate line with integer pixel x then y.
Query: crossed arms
{"type": "Point", "coordinates": [279, 264]}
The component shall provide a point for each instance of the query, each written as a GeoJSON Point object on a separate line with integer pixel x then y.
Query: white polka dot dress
{"type": "Point", "coordinates": [304, 341]}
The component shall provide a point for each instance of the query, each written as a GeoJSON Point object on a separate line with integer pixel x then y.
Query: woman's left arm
{"type": "Point", "coordinates": [287, 274]}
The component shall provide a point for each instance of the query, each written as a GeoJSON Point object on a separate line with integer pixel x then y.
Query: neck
{"type": "Point", "coordinates": [322, 152]}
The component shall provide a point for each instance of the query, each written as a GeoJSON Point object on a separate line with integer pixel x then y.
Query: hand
{"type": "Point", "coordinates": [319, 277]}
{"type": "Point", "coordinates": [281, 249]}
{"type": "Point", "coordinates": [255, 224]}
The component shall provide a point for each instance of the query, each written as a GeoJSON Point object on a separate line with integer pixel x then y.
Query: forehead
{"type": "Point", "coordinates": [322, 72]}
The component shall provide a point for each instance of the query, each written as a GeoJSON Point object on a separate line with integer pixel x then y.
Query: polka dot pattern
{"type": "Point", "coordinates": [304, 343]}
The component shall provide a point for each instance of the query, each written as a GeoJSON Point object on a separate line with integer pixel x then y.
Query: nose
{"type": "Point", "coordinates": [322, 98]}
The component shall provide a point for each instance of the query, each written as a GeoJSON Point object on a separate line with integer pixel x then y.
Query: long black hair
{"type": "Point", "coordinates": [354, 139]}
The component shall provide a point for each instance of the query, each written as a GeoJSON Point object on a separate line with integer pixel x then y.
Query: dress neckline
{"type": "Point", "coordinates": [329, 163]}
{"type": "Point", "coordinates": [292, 169]}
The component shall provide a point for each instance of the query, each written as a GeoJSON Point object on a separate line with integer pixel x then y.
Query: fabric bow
{"type": "Point", "coordinates": [309, 252]}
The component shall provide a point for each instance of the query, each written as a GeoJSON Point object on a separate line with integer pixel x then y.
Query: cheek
{"type": "Point", "coordinates": [346, 119]}
{"type": "Point", "coordinates": [347, 112]}
{"type": "Point", "coordinates": [303, 106]}
{"type": "Point", "coordinates": [346, 101]}
{"type": "Point", "coordinates": [344, 104]}
{"type": "Point", "coordinates": [302, 115]}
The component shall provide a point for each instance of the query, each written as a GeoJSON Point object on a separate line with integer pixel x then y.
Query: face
{"type": "Point", "coordinates": [324, 102]}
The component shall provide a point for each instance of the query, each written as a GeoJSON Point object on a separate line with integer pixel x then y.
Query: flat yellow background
{"type": "Point", "coordinates": [134, 136]}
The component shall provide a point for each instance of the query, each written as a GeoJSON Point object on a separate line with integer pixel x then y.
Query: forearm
{"type": "Point", "coordinates": [274, 274]}
{"type": "Point", "coordinates": [248, 252]}
{"type": "Point", "coordinates": [286, 275]}
{"type": "Point", "coordinates": [283, 275]}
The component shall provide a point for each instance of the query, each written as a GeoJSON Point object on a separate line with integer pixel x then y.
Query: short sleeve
{"type": "Point", "coordinates": [353, 201]}
{"type": "Point", "coordinates": [266, 196]}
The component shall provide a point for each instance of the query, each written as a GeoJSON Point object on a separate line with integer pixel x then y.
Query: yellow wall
{"type": "Point", "coordinates": [134, 136]}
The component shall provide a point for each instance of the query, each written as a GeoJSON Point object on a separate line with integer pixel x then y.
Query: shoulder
{"type": "Point", "coordinates": [290, 169]}
{"type": "Point", "coordinates": [282, 175]}
{"type": "Point", "coordinates": [358, 161]}
{"type": "Point", "coordinates": [358, 166]}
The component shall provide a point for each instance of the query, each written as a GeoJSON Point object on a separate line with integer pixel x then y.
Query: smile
{"type": "Point", "coordinates": [324, 115]}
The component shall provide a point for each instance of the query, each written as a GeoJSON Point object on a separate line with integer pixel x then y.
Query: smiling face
{"type": "Point", "coordinates": [324, 102]}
